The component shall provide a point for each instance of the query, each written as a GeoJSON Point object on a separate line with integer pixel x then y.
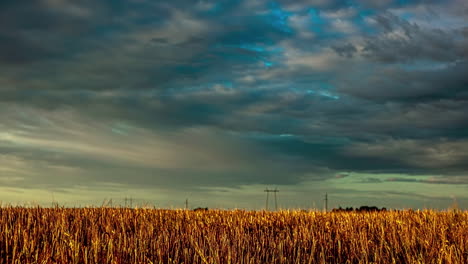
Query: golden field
{"type": "Point", "coordinates": [124, 235]}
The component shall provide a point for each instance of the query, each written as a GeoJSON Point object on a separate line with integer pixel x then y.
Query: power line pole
{"type": "Point", "coordinates": [274, 193]}
{"type": "Point", "coordinates": [326, 202]}
{"type": "Point", "coordinates": [186, 204]}
{"type": "Point", "coordinates": [276, 201]}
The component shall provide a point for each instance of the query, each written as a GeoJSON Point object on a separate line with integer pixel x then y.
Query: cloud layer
{"type": "Point", "coordinates": [209, 95]}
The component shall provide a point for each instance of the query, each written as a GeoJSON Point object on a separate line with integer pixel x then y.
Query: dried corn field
{"type": "Point", "coordinates": [123, 235]}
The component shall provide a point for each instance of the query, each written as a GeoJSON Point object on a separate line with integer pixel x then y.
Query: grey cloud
{"type": "Point", "coordinates": [444, 118]}
{"type": "Point", "coordinates": [182, 48]}
{"type": "Point", "coordinates": [345, 49]}
{"type": "Point", "coordinates": [371, 180]}
{"type": "Point", "coordinates": [88, 152]}
{"type": "Point", "coordinates": [441, 156]}
{"type": "Point", "coordinates": [431, 180]}
{"type": "Point", "coordinates": [341, 175]}
{"type": "Point", "coordinates": [57, 31]}
{"type": "Point", "coordinates": [402, 180]}
{"type": "Point", "coordinates": [304, 4]}
{"type": "Point", "coordinates": [396, 84]}
{"type": "Point", "coordinates": [403, 41]}
{"type": "Point", "coordinates": [376, 3]}
{"type": "Point", "coordinates": [36, 31]}
{"type": "Point", "coordinates": [16, 49]}
{"type": "Point", "coordinates": [386, 4]}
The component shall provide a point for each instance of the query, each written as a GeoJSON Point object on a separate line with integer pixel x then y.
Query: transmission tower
{"type": "Point", "coordinates": [268, 194]}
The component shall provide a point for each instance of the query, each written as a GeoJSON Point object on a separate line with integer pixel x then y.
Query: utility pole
{"type": "Point", "coordinates": [186, 204]}
{"type": "Point", "coordinates": [326, 202]}
{"type": "Point", "coordinates": [276, 200]}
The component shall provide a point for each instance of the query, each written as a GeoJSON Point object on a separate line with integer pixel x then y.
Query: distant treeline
{"type": "Point", "coordinates": [360, 209]}
{"type": "Point", "coordinates": [201, 209]}
{"type": "Point", "coordinates": [339, 209]}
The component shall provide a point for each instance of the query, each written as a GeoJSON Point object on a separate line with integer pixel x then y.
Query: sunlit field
{"type": "Point", "coordinates": [124, 235]}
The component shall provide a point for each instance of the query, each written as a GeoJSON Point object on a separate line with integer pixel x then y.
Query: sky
{"type": "Point", "coordinates": [215, 101]}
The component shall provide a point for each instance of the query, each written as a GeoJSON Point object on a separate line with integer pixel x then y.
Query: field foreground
{"type": "Point", "coordinates": [123, 235]}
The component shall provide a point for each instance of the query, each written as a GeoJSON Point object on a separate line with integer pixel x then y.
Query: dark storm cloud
{"type": "Point", "coordinates": [335, 156]}
{"type": "Point", "coordinates": [396, 84]}
{"type": "Point", "coordinates": [15, 49]}
{"type": "Point", "coordinates": [305, 4]}
{"type": "Point", "coordinates": [337, 4]}
{"type": "Point", "coordinates": [416, 156]}
{"type": "Point", "coordinates": [401, 41]}
{"type": "Point", "coordinates": [379, 4]}
{"type": "Point", "coordinates": [404, 41]}
{"type": "Point", "coordinates": [131, 45]}
{"type": "Point", "coordinates": [344, 49]}
{"type": "Point", "coordinates": [42, 30]}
